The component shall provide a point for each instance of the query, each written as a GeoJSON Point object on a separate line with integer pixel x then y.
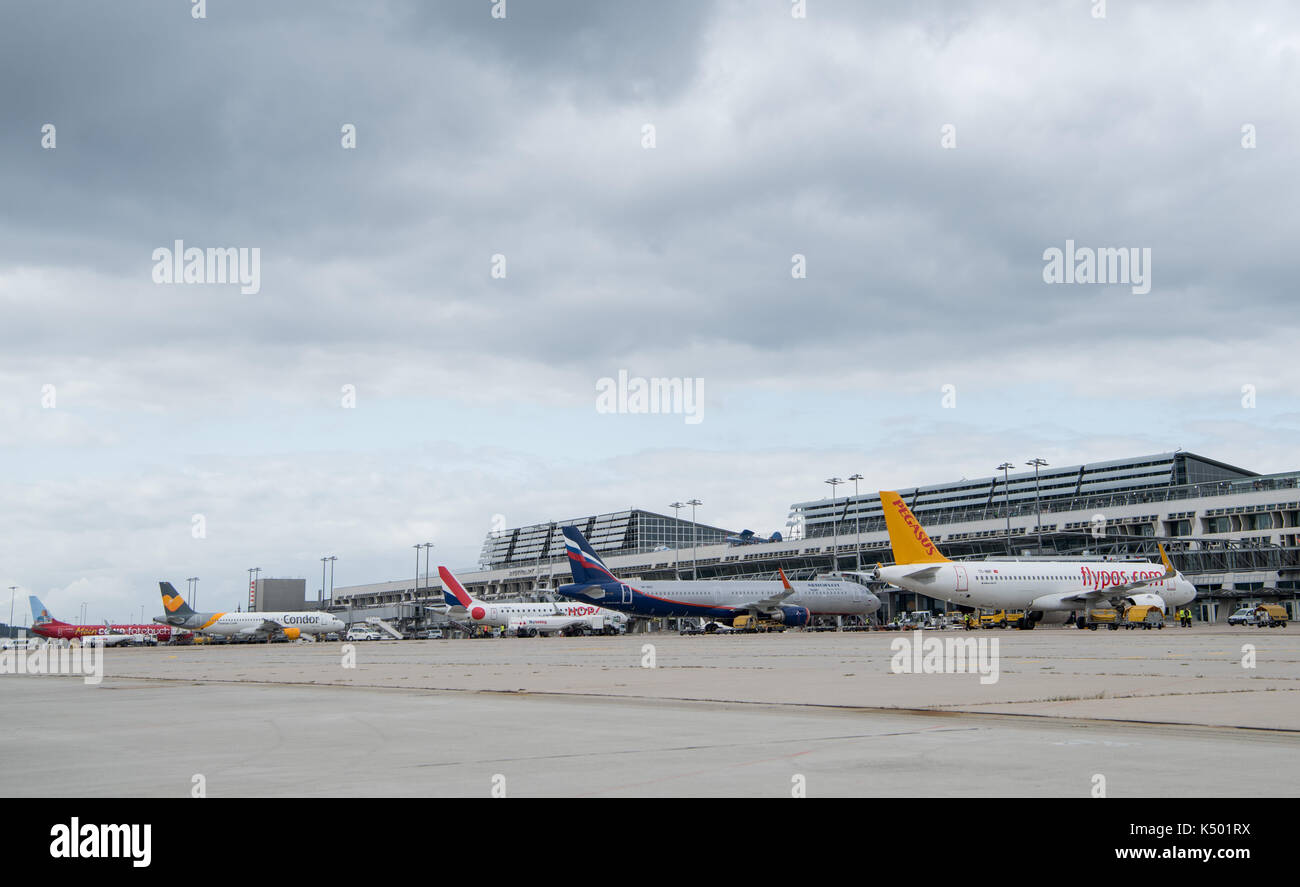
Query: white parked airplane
{"type": "Point", "coordinates": [291, 625]}
{"type": "Point", "coordinates": [526, 618]}
{"type": "Point", "coordinates": [1048, 591]}
{"type": "Point", "coordinates": [732, 601]}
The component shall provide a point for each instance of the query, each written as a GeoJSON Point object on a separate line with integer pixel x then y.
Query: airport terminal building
{"type": "Point", "coordinates": [1231, 531]}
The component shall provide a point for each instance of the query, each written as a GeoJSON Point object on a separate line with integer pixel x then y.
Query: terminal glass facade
{"type": "Point", "coordinates": [622, 532]}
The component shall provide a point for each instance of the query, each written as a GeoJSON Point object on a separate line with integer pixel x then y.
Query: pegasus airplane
{"type": "Point", "coordinates": [525, 619]}
{"type": "Point", "coordinates": [736, 602]}
{"type": "Point", "coordinates": [45, 625]}
{"type": "Point", "coordinates": [1048, 591]}
{"type": "Point", "coordinates": [263, 625]}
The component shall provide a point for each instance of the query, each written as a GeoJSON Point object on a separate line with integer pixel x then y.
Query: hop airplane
{"type": "Point", "coordinates": [1048, 591]}
{"type": "Point", "coordinates": [525, 619]}
{"type": "Point", "coordinates": [291, 625]}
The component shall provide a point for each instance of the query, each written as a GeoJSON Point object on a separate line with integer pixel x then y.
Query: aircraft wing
{"type": "Point", "coordinates": [1089, 595]}
{"type": "Point", "coordinates": [593, 592]}
{"type": "Point", "coordinates": [1112, 590]}
{"type": "Point", "coordinates": [925, 574]}
{"type": "Point", "coordinates": [1094, 594]}
{"type": "Point", "coordinates": [773, 602]}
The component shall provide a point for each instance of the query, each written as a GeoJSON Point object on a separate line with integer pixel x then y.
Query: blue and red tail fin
{"type": "Point", "coordinates": [40, 613]}
{"type": "Point", "coordinates": [452, 591]}
{"type": "Point", "coordinates": [584, 563]}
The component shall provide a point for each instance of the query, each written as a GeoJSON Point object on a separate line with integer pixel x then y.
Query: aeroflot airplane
{"type": "Point", "coordinates": [733, 601]}
{"type": "Point", "coordinates": [290, 625]}
{"type": "Point", "coordinates": [1048, 591]}
{"type": "Point", "coordinates": [521, 618]}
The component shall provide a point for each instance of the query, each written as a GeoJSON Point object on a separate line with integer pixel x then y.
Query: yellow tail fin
{"type": "Point", "coordinates": [906, 536]}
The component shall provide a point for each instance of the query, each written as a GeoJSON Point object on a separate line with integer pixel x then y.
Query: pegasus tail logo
{"type": "Point", "coordinates": [907, 537]}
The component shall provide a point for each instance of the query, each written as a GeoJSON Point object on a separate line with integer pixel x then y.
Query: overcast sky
{"type": "Point", "coordinates": [525, 137]}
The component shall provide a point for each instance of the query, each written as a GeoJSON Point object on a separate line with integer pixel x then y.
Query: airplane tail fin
{"type": "Point", "coordinates": [173, 603]}
{"type": "Point", "coordinates": [1170, 572]}
{"type": "Point", "coordinates": [452, 591]}
{"type": "Point", "coordinates": [40, 613]}
{"type": "Point", "coordinates": [907, 538]}
{"type": "Point", "coordinates": [585, 565]}
{"type": "Point", "coordinates": [775, 537]}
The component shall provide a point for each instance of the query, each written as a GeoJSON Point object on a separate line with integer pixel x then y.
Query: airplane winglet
{"type": "Point", "coordinates": [1169, 568]}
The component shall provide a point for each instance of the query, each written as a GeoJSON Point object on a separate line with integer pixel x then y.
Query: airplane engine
{"type": "Point", "coordinates": [795, 616]}
{"type": "Point", "coordinates": [1049, 617]}
{"type": "Point", "coordinates": [292, 633]}
{"type": "Point", "coordinates": [1146, 600]}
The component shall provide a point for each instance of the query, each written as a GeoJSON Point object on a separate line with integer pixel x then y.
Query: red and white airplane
{"type": "Point", "coordinates": [45, 625]}
{"type": "Point", "coordinates": [527, 619]}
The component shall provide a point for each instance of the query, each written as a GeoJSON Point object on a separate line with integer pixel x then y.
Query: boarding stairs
{"type": "Point", "coordinates": [384, 626]}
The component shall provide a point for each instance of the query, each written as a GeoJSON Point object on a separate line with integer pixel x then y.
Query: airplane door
{"type": "Point", "coordinates": [961, 577]}
{"type": "Point", "coordinates": [627, 594]}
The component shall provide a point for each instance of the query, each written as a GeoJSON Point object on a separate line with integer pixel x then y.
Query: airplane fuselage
{"type": "Point", "coordinates": [1036, 585]}
{"type": "Point", "coordinates": [291, 623]}
{"type": "Point", "coordinates": [541, 617]}
{"type": "Point", "coordinates": [724, 598]}
{"type": "Point", "coordinates": [114, 633]}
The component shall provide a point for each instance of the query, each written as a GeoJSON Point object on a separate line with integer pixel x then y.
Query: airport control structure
{"type": "Point", "coordinates": [1234, 533]}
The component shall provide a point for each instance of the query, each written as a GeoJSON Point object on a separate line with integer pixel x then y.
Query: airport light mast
{"type": "Point", "coordinates": [12, 589]}
{"type": "Point", "coordinates": [677, 540]}
{"type": "Point", "coordinates": [1038, 507]}
{"type": "Point", "coordinates": [193, 590]}
{"type": "Point", "coordinates": [331, 559]}
{"type": "Point", "coordinates": [693, 503]}
{"type": "Point", "coordinates": [252, 587]}
{"type": "Point", "coordinates": [1006, 499]}
{"type": "Point", "coordinates": [857, 525]}
{"type": "Point", "coordinates": [835, 524]}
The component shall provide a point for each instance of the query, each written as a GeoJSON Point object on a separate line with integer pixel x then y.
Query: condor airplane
{"type": "Point", "coordinates": [525, 619]}
{"type": "Point", "coordinates": [266, 625]}
{"type": "Point", "coordinates": [733, 601]}
{"type": "Point", "coordinates": [45, 625]}
{"type": "Point", "coordinates": [1048, 591]}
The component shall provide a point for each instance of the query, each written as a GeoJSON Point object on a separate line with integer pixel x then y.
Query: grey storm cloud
{"type": "Point", "coordinates": [522, 137]}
